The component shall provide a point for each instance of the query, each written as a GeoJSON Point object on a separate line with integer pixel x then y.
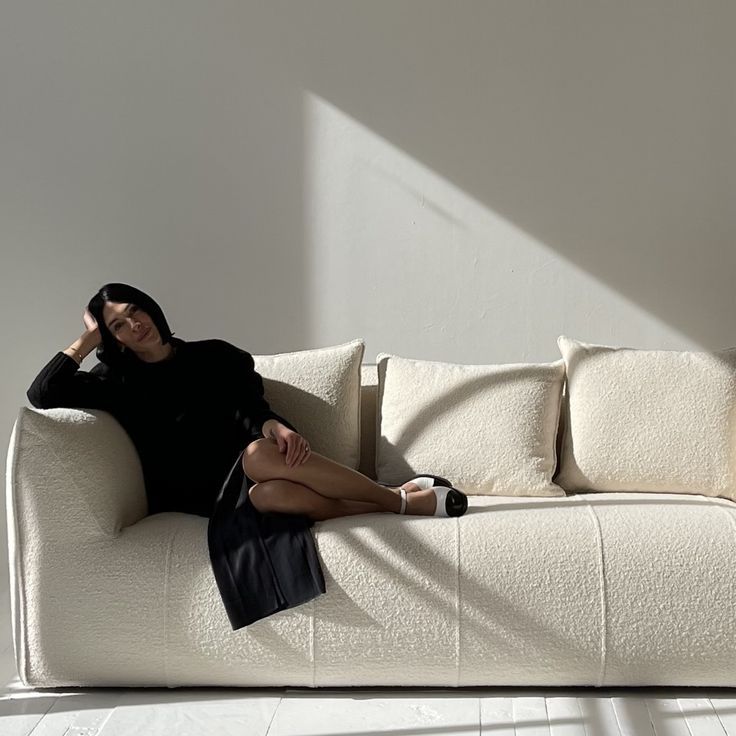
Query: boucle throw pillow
{"type": "Point", "coordinates": [488, 429]}
{"type": "Point", "coordinates": [318, 391]}
{"type": "Point", "coordinates": [648, 420]}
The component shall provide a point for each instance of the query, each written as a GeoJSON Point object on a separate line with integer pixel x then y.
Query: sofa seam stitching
{"type": "Point", "coordinates": [603, 596]}
{"type": "Point", "coordinates": [727, 511]}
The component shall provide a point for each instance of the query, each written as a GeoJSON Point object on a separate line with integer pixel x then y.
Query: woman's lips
{"type": "Point", "coordinates": [144, 333]}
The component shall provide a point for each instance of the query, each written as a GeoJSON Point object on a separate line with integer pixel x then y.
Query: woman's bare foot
{"type": "Point", "coordinates": [422, 502]}
{"type": "Point", "coordinates": [409, 487]}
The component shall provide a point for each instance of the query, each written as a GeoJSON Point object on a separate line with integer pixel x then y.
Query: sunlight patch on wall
{"type": "Point", "coordinates": [402, 257]}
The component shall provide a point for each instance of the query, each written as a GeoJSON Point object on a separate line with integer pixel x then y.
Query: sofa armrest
{"type": "Point", "coordinates": [72, 472]}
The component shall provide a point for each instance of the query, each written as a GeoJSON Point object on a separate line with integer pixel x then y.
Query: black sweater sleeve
{"type": "Point", "coordinates": [61, 383]}
{"type": "Point", "coordinates": [254, 408]}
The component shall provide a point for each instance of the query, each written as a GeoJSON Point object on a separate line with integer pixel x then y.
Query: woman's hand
{"type": "Point", "coordinates": [292, 443]}
{"type": "Point", "coordinates": [91, 324]}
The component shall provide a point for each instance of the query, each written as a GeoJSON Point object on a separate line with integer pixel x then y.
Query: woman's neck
{"type": "Point", "coordinates": [157, 354]}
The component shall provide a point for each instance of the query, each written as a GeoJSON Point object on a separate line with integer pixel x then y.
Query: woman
{"type": "Point", "coordinates": [196, 414]}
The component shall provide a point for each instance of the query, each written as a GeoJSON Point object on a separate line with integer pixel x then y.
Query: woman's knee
{"type": "Point", "coordinates": [261, 496]}
{"type": "Point", "coordinates": [271, 495]}
{"type": "Point", "coordinates": [258, 458]}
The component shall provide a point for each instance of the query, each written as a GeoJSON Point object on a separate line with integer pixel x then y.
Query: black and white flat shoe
{"type": "Point", "coordinates": [424, 482]}
{"type": "Point", "coordinates": [450, 501]}
{"type": "Point", "coordinates": [430, 481]}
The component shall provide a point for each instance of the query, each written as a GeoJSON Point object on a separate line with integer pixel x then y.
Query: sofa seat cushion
{"type": "Point", "coordinates": [489, 429]}
{"type": "Point", "coordinates": [648, 420]}
{"type": "Point", "coordinates": [585, 590]}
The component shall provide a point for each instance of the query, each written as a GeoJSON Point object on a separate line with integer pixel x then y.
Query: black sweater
{"type": "Point", "coordinates": [189, 416]}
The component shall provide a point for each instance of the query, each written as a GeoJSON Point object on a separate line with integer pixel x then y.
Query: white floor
{"type": "Point", "coordinates": [412, 711]}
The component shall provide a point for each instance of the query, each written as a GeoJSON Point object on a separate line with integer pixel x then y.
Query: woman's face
{"type": "Point", "coordinates": [131, 326]}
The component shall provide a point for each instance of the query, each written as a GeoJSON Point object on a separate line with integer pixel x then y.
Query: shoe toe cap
{"type": "Point", "coordinates": [457, 502]}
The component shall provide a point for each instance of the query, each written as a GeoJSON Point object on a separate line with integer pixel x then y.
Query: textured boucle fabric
{"type": "Point", "coordinates": [86, 448]}
{"type": "Point", "coordinates": [319, 392]}
{"type": "Point", "coordinates": [590, 590]}
{"type": "Point", "coordinates": [605, 589]}
{"type": "Point", "coordinates": [489, 429]}
{"type": "Point", "coordinates": [648, 420]}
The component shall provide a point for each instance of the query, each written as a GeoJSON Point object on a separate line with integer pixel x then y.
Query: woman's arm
{"type": "Point", "coordinates": [268, 426]}
{"type": "Point", "coordinates": [83, 345]}
{"type": "Point", "coordinates": [61, 383]}
{"type": "Point", "coordinates": [258, 417]}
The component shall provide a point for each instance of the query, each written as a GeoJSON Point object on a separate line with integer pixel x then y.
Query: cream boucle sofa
{"type": "Point", "coordinates": [587, 589]}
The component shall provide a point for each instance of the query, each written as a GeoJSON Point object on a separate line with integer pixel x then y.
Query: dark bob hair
{"type": "Point", "coordinates": [110, 351]}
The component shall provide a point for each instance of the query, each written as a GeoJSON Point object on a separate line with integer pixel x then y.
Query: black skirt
{"type": "Point", "coordinates": [263, 562]}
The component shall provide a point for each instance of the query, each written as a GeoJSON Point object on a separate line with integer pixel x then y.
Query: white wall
{"type": "Point", "coordinates": [459, 181]}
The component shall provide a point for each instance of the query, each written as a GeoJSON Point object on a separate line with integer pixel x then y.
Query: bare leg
{"type": "Point", "coordinates": [284, 496]}
{"type": "Point", "coordinates": [262, 461]}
